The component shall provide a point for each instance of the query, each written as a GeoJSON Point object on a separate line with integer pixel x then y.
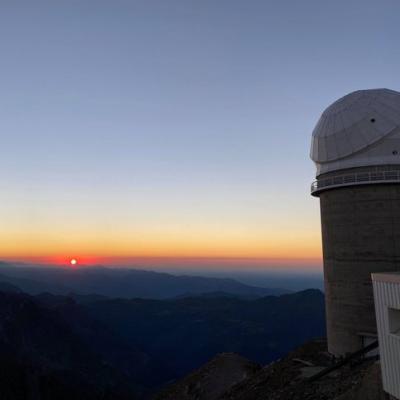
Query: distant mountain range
{"type": "Point", "coordinates": [92, 333]}
{"type": "Point", "coordinates": [44, 356]}
{"type": "Point", "coordinates": [91, 347]}
{"type": "Point", "coordinates": [183, 334]}
{"type": "Point", "coordinates": [123, 283]}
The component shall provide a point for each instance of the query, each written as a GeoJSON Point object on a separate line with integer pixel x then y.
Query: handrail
{"type": "Point", "coordinates": [344, 361]}
{"type": "Point", "coordinates": [357, 178]}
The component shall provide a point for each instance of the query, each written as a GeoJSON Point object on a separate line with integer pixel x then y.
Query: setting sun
{"type": "Point", "coordinates": [73, 261]}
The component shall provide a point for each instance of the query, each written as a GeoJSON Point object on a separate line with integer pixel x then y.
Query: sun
{"type": "Point", "coordinates": [73, 261]}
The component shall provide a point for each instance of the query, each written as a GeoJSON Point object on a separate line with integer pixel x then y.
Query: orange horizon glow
{"type": "Point", "coordinates": [168, 250]}
{"type": "Point", "coordinates": [309, 264]}
{"type": "Point", "coordinates": [116, 237]}
{"type": "Point", "coordinates": [148, 245]}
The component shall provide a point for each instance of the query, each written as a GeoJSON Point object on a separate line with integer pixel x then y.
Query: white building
{"type": "Point", "coordinates": [360, 129]}
{"type": "Point", "coordinates": [387, 307]}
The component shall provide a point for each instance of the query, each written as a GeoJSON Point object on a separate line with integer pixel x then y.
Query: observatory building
{"type": "Point", "coordinates": [356, 150]}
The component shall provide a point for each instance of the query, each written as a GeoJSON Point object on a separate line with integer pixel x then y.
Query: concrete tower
{"type": "Point", "coordinates": [356, 149]}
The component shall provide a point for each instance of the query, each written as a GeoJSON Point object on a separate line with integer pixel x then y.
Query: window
{"type": "Point", "coordinates": [394, 321]}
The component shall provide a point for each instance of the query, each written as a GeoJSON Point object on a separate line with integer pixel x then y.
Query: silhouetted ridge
{"type": "Point", "coordinates": [123, 282]}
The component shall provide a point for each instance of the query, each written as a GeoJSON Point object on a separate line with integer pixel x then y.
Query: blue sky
{"type": "Point", "coordinates": [175, 119]}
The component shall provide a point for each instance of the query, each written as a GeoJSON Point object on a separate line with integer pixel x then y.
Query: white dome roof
{"type": "Point", "coordinates": [352, 124]}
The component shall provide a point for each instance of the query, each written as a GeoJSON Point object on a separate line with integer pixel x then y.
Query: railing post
{"type": "Point", "coordinates": [365, 177]}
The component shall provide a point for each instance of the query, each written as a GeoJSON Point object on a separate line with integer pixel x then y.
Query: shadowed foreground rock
{"type": "Point", "coordinates": [212, 380]}
{"type": "Point", "coordinates": [285, 379]}
{"type": "Point", "coordinates": [370, 387]}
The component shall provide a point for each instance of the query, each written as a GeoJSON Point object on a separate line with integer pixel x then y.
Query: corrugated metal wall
{"type": "Point", "coordinates": [387, 295]}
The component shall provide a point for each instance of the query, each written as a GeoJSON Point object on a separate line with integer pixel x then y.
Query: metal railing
{"type": "Point", "coordinates": [359, 178]}
{"type": "Point", "coordinates": [344, 361]}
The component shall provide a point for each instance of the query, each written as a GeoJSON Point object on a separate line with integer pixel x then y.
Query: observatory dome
{"type": "Point", "coordinates": [361, 129]}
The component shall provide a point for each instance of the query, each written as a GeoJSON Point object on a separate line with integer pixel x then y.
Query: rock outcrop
{"type": "Point", "coordinates": [211, 380]}
{"type": "Point", "coordinates": [285, 379]}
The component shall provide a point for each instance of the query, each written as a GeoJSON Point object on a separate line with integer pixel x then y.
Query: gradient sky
{"type": "Point", "coordinates": [175, 128]}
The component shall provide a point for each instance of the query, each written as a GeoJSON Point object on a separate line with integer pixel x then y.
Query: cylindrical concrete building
{"type": "Point", "coordinates": [356, 149]}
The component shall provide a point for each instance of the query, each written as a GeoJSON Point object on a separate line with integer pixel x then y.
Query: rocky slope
{"type": "Point", "coordinates": [286, 379]}
{"type": "Point", "coordinates": [212, 380]}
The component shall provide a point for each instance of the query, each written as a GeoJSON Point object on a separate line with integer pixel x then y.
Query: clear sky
{"type": "Point", "coordinates": [175, 128]}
